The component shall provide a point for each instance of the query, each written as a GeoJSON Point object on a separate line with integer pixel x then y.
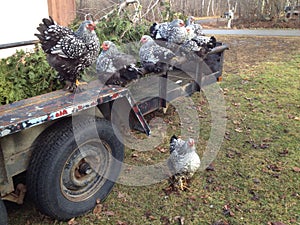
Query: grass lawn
{"type": "Point", "coordinates": [255, 178]}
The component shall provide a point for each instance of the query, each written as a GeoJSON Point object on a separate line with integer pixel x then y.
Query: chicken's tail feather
{"type": "Point", "coordinates": [172, 143]}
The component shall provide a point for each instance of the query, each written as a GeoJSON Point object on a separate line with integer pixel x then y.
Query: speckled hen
{"type": "Point", "coordinates": [198, 30]}
{"type": "Point", "coordinates": [114, 66]}
{"type": "Point", "coordinates": [153, 57]}
{"type": "Point", "coordinates": [159, 31]}
{"type": "Point", "coordinates": [183, 161]}
{"type": "Point", "coordinates": [177, 32]}
{"type": "Point", "coordinates": [69, 52]}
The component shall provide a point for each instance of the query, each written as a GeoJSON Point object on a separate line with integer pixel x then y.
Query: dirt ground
{"type": "Point", "coordinates": [250, 51]}
{"type": "Point", "coordinates": [242, 24]}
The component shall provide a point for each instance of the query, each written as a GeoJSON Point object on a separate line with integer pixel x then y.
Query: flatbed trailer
{"type": "Point", "coordinates": [66, 145]}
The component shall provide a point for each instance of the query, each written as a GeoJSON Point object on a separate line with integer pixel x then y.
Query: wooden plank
{"type": "Point", "coordinates": [58, 104]}
{"type": "Point", "coordinates": [62, 11]}
{"type": "Point", "coordinates": [51, 106]}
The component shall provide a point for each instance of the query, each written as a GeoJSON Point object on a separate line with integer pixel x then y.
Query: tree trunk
{"type": "Point", "coordinates": [213, 7]}
{"type": "Point", "coordinates": [202, 7]}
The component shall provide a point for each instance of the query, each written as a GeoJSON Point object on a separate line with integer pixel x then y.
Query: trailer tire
{"type": "Point", "coordinates": [72, 167]}
{"type": "Point", "coordinates": [3, 214]}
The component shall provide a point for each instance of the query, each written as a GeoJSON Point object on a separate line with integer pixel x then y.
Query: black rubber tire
{"type": "Point", "coordinates": [54, 176]}
{"type": "Point", "coordinates": [3, 214]}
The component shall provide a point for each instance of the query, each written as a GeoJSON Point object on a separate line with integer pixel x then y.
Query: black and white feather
{"type": "Point", "coordinates": [198, 46]}
{"type": "Point", "coordinates": [177, 32]}
{"type": "Point", "coordinates": [198, 29]}
{"type": "Point", "coordinates": [159, 31]}
{"type": "Point", "coordinates": [184, 160]}
{"type": "Point", "coordinates": [153, 57]}
{"type": "Point", "coordinates": [114, 66]}
{"type": "Point", "coordinates": [69, 52]}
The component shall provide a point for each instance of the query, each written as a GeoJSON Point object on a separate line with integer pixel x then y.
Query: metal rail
{"type": "Point", "coordinates": [18, 44]}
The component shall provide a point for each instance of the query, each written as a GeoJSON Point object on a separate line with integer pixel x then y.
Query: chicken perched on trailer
{"type": "Point", "coordinates": [159, 31]}
{"type": "Point", "coordinates": [155, 58]}
{"type": "Point", "coordinates": [200, 45]}
{"type": "Point", "coordinates": [198, 29]}
{"type": "Point", "coordinates": [172, 32]}
{"type": "Point", "coordinates": [183, 161]}
{"type": "Point", "coordinates": [177, 32]}
{"type": "Point", "coordinates": [69, 52]}
{"type": "Point", "coordinates": [116, 67]}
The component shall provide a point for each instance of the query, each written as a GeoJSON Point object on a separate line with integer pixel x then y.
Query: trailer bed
{"type": "Point", "coordinates": [34, 111]}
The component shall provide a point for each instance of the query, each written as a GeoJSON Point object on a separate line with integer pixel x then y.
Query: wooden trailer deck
{"type": "Point", "coordinates": [34, 111]}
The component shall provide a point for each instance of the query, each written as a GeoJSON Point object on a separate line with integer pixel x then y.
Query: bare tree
{"type": "Point", "coordinates": [159, 10]}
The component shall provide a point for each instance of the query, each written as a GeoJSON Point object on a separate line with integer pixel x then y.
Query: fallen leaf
{"type": "Point", "coordinates": [283, 153]}
{"type": "Point", "coordinates": [211, 167]}
{"type": "Point", "coordinates": [277, 223]}
{"type": "Point", "coordinates": [162, 150]}
{"type": "Point", "coordinates": [264, 146]}
{"type": "Point", "coordinates": [165, 220]}
{"type": "Point", "coordinates": [134, 155]}
{"type": "Point", "coordinates": [193, 198]}
{"type": "Point", "coordinates": [109, 213]}
{"type": "Point", "coordinates": [256, 180]}
{"type": "Point", "coordinates": [98, 209]}
{"type": "Point", "coordinates": [296, 169]}
{"type": "Point", "coordinates": [267, 140]}
{"type": "Point", "coordinates": [239, 130]}
{"type": "Point", "coordinates": [230, 155]}
{"type": "Point", "coordinates": [220, 222]}
{"type": "Point", "coordinates": [274, 168]}
{"type": "Point", "coordinates": [72, 222]}
{"type": "Point", "coordinates": [235, 122]}
{"type": "Point", "coordinates": [149, 215]}
{"type": "Point", "coordinates": [236, 104]}
{"type": "Point", "coordinates": [255, 196]}
{"type": "Point", "coordinates": [297, 118]}
{"type": "Point", "coordinates": [227, 211]}
{"type": "Point", "coordinates": [121, 195]}
{"type": "Point", "coordinates": [121, 223]}
{"type": "Point", "coordinates": [180, 219]}
{"type": "Point", "coordinates": [227, 136]}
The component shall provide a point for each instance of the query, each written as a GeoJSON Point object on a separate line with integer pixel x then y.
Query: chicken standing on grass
{"type": "Point", "coordinates": [69, 52]}
{"type": "Point", "coordinates": [183, 161]}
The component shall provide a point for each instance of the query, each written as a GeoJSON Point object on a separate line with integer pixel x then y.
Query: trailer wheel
{"type": "Point", "coordinates": [73, 167]}
{"type": "Point", "coordinates": [3, 214]}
